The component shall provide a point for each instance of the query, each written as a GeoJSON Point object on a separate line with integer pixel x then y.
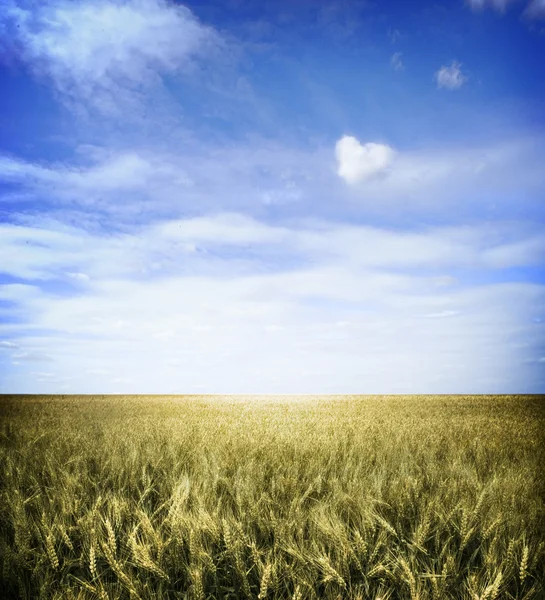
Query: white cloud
{"type": "Point", "coordinates": [175, 334]}
{"type": "Point", "coordinates": [7, 344]}
{"type": "Point", "coordinates": [128, 184]}
{"type": "Point", "coordinates": [445, 281]}
{"type": "Point", "coordinates": [32, 356]}
{"type": "Point", "coordinates": [232, 243]}
{"type": "Point", "coordinates": [95, 50]}
{"type": "Point", "coordinates": [153, 317]}
{"type": "Point", "coordinates": [499, 5]}
{"type": "Point", "coordinates": [78, 276]}
{"type": "Point", "coordinates": [396, 62]}
{"type": "Point", "coordinates": [358, 163]}
{"type": "Point", "coordinates": [450, 77]}
{"type": "Point", "coordinates": [516, 253]}
{"type": "Point", "coordinates": [458, 181]}
{"type": "Point", "coordinates": [110, 182]}
{"type": "Point", "coordinates": [125, 171]}
{"type": "Point", "coordinates": [226, 228]}
{"type": "Point", "coordinates": [443, 314]}
{"type": "Point", "coordinates": [180, 297]}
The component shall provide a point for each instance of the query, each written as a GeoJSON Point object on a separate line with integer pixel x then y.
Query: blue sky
{"type": "Point", "coordinates": [244, 197]}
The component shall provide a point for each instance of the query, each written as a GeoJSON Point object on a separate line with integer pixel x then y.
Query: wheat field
{"type": "Point", "coordinates": [430, 497]}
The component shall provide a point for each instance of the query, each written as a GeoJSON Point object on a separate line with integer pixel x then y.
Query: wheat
{"type": "Point", "coordinates": [523, 572]}
{"type": "Point", "coordinates": [265, 582]}
{"type": "Point", "coordinates": [196, 578]}
{"type": "Point", "coordinates": [510, 558]}
{"type": "Point", "coordinates": [92, 561]}
{"type": "Point", "coordinates": [67, 539]}
{"type": "Point", "coordinates": [494, 590]}
{"type": "Point", "coordinates": [337, 498]}
{"type": "Point", "coordinates": [112, 542]}
{"type": "Point", "coordinates": [51, 553]}
{"type": "Point", "coordinates": [329, 573]}
{"type": "Point", "coordinates": [297, 594]}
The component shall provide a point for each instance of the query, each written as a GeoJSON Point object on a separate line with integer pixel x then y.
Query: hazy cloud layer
{"type": "Point", "coordinates": [175, 336]}
{"type": "Point", "coordinates": [174, 303]}
{"type": "Point", "coordinates": [234, 241]}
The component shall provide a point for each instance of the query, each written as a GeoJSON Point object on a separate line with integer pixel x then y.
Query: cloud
{"type": "Point", "coordinates": [445, 281]}
{"type": "Point", "coordinates": [535, 10]}
{"type": "Point", "coordinates": [78, 276]}
{"type": "Point", "coordinates": [396, 62]}
{"type": "Point", "coordinates": [443, 314]}
{"type": "Point", "coordinates": [499, 5]}
{"type": "Point", "coordinates": [450, 77]}
{"type": "Point", "coordinates": [96, 50]}
{"type": "Point", "coordinates": [516, 253]}
{"type": "Point", "coordinates": [8, 344]}
{"type": "Point", "coordinates": [358, 163]}
{"type": "Point", "coordinates": [114, 182]}
{"type": "Point", "coordinates": [172, 336]}
{"type": "Point", "coordinates": [226, 228]}
{"type": "Point", "coordinates": [142, 181]}
{"type": "Point", "coordinates": [235, 244]}
{"type": "Point", "coordinates": [118, 172]}
{"type": "Point", "coordinates": [32, 357]}
{"type": "Point", "coordinates": [394, 35]}
{"type": "Point", "coordinates": [168, 304]}
{"type": "Point", "coordinates": [166, 259]}
{"type": "Point", "coordinates": [125, 186]}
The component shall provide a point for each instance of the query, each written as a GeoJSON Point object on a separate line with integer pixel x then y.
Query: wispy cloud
{"type": "Point", "coordinates": [396, 62]}
{"type": "Point", "coordinates": [499, 5]}
{"type": "Point", "coordinates": [130, 186]}
{"type": "Point", "coordinates": [96, 51]}
{"type": "Point", "coordinates": [394, 35]}
{"type": "Point", "coordinates": [235, 243]}
{"type": "Point", "coordinates": [7, 344]}
{"type": "Point", "coordinates": [534, 9]}
{"type": "Point", "coordinates": [450, 77]}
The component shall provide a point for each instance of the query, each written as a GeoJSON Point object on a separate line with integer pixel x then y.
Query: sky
{"type": "Point", "coordinates": [304, 196]}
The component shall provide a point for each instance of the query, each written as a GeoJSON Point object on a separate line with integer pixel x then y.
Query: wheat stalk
{"type": "Point", "coordinates": [265, 582]}
{"type": "Point", "coordinates": [523, 571]}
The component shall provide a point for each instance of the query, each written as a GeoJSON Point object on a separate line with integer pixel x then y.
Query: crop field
{"type": "Point", "coordinates": [349, 497]}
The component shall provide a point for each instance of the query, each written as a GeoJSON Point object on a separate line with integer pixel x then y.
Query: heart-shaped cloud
{"type": "Point", "coordinates": [357, 162]}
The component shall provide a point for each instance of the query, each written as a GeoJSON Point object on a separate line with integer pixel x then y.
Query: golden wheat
{"type": "Point", "coordinates": [342, 498]}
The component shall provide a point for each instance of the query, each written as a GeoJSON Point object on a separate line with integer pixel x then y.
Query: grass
{"type": "Point", "coordinates": [349, 497]}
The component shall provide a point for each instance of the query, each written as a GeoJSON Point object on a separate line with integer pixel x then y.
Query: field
{"type": "Point", "coordinates": [314, 497]}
